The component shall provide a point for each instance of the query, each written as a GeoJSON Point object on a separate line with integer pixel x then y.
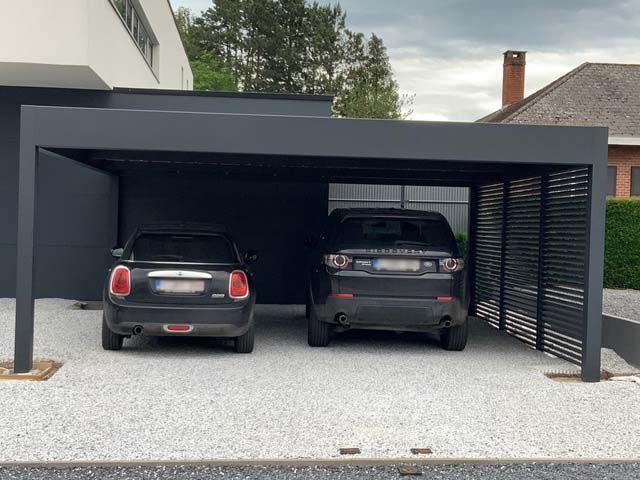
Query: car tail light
{"type": "Point", "coordinates": [341, 262]}
{"type": "Point", "coordinates": [120, 283]}
{"type": "Point", "coordinates": [445, 298]}
{"type": "Point", "coordinates": [451, 265]}
{"type": "Point", "coordinates": [238, 284]}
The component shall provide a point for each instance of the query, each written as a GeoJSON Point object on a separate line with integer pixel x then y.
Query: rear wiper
{"type": "Point", "coordinates": [409, 242]}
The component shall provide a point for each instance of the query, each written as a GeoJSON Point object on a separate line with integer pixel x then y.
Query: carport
{"type": "Point", "coordinates": [537, 196]}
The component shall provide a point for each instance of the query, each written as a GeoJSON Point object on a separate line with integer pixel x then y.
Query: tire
{"type": "Point", "coordinates": [318, 332]}
{"type": "Point", "coordinates": [110, 340]}
{"type": "Point", "coordinates": [455, 338]}
{"type": "Point", "coordinates": [307, 306]}
{"type": "Point", "coordinates": [244, 343]}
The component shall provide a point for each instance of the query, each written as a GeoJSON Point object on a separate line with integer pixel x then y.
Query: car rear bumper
{"type": "Point", "coordinates": [218, 321]}
{"type": "Point", "coordinates": [385, 313]}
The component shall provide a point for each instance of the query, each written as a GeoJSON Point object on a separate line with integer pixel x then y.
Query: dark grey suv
{"type": "Point", "coordinates": [387, 269]}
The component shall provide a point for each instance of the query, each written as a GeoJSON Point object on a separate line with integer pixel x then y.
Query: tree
{"type": "Point", "coordinates": [291, 46]}
{"type": "Point", "coordinates": [209, 72]}
{"type": "Point", "coordinates": [184, 22]}
{"type": "Point", "coordinates": [370, 91]}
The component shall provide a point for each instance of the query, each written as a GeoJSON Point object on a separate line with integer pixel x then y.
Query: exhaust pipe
{"type": "Point", "coordinates": [342, 319]}
{"type": "Point", "coordinates": [447, 323]}
{"type": "Point", "coordinates": [137, 330]}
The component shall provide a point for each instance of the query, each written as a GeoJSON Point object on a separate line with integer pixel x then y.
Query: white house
{"type": "Point", "coordinates": [92, 44]}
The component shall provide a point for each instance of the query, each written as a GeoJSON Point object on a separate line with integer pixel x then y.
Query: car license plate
{"type": "Point", "coordinates": [179, 286]}
{"type": "Point", "coordinates": [396, 265]}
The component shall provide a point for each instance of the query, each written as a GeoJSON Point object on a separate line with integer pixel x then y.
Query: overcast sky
{"type": "Point", "coordinates": [449, 52]}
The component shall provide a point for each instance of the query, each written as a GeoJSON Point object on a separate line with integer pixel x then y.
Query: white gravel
{"type": "Point", "coordinates": [622, 303]}
{"type": "Point", "coordinates": [384, 393]}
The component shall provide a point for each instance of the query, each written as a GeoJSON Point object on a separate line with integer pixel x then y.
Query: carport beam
{"type": "Point", "coordinates": [23, 359]}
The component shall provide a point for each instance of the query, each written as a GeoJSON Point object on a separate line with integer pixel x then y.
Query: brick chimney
{"type": "Point", "coordinates": [513, 77]}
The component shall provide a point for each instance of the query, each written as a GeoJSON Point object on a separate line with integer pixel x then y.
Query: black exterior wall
{"type": "Point", "coordinates": [77, 207]}
{"type": "Point", "coordinates": [271, 217]}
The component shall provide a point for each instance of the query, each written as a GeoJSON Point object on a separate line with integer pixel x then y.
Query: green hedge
{"type": "Point", "coordinates": [622, 247]}
{"type": "Point", "coordinates": [463, 243]}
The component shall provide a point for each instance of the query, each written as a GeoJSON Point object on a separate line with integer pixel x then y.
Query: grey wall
{"type": "Point", "coordinates": [623, 336]}
{"type": "Point", "coordinates": [76, 205]}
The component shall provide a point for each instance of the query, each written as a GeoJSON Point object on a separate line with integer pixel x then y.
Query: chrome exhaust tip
{"type": "Point", "coordinates": [137, 330]}
{"type": "Point", "coordinates": [342, 319]}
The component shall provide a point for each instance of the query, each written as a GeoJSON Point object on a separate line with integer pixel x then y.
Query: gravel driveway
{"type": "Point", "coordinates": [193, 399]}
{"type": "Point", "coordinates": [622, 303]}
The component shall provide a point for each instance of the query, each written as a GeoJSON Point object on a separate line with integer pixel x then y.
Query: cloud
{"type": "Point", "coordinates": [449, 52]}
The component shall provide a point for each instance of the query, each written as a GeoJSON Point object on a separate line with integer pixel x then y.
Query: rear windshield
{"type": "Point", "coordinates": [393, 232]}
{"type": "Point", "coordinates": [154, 247]}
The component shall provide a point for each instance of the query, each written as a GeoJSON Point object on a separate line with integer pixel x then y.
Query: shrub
{"type": "Point", "coordinates": [463, 243]}
{"type": "Point", "coordinates": [622, 245]}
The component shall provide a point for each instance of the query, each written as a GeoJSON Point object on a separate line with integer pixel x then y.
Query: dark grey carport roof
{"type": "Point", "coordinates": [132, 130]}
{"type": "Point", "coordinates": [426, 151]}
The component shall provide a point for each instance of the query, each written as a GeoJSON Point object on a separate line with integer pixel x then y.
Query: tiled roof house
{"type": "Point", "coordinates": [593, 94]}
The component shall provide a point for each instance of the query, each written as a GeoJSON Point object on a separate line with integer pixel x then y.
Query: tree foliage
{"type": "Point", "coordinates": [209, 72]}
{"type": "Point", "coordinates": [291, 46]}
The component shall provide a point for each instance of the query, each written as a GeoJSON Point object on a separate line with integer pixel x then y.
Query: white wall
{"type": "Point", "coordinates": [84, 44]}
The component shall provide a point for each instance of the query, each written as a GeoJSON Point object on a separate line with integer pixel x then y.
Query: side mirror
{"type": "Point", "coordinates": [117, 252]}
{"type": "Point", "coordinates": [251, 256]}
{"type": "Point", "coordinates": [311, 241]}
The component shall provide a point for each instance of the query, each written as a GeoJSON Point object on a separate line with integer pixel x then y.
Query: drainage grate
{"type": "Point", "coordinates": [421, 451]}
{"type": "Point", "coordinates": [409, 470]}
{"type": "Point", "coordinates": [349, 451]}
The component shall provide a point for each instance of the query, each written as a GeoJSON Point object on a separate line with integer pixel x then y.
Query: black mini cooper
{"type": "Point", "coordinates": [387, 269]}
{"type": "Point", "coordinates": [179, 280]}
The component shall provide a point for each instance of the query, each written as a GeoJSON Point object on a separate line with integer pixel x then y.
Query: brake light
{"type": "Point", "coordinates": [179, 328]}
{"type": "Point", "coordinates": [339, 261]}
{"type": "Point", "coordinates": [445, 298]}
{"type": "Point", "coordinates": [120, 283]}
{"type": "Point", "coordinates": [451, 265]}
{"type": "Point", "coordinates": [341, 295]}
{"type": "Point", "coordinates": [238, 284]}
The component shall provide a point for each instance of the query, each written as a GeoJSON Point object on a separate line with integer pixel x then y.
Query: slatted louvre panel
{"type": "Point", "coordinates": [531, 237]}
{"type": "Point", "coordinates": [488, 252]}
{"type": "Point", "coordinates": [565, 240]}
{"type": "Point", "coordinates": [520, 290]}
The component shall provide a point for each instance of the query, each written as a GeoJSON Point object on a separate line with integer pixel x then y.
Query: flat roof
{"type": "Point", "coordinates": [306, 97]}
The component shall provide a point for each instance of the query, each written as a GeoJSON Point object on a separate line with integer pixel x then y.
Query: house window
{"type": "Point", "coordinates": [137, 29]}
{"type": "Point", "coordinates": [635, 180]}
{"type": "Point", "coordinates": [611, 180]}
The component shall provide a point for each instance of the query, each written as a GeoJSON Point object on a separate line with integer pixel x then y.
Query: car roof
{"type": "Point", "coordinates": [183, 227]}
{"type": "Point", "coordinates": [342, 213]}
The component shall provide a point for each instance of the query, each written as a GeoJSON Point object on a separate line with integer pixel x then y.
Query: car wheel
{"type": "Point", "coordinates": [455, 338]}
{"type": "Point", "coordinates": [244, 343]}
{"type": "Point", "coordinates": [110, 340]}
{"type": "Point", "coordinates": [317, 331]}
